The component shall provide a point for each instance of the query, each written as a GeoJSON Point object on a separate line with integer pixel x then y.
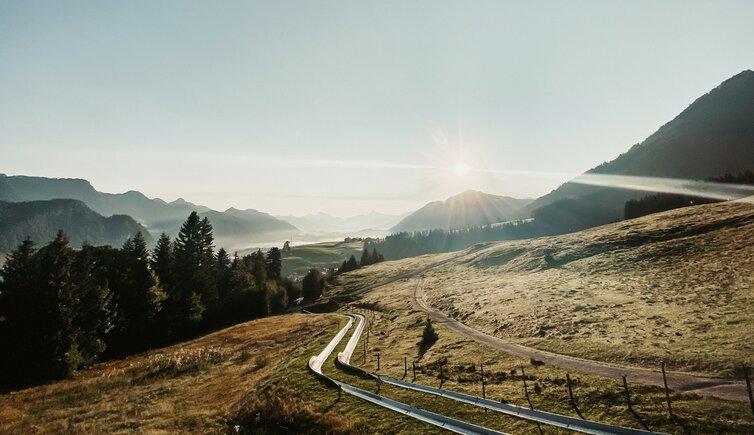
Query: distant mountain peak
{"type": "Point", "coordinates": [713, 136]}
{"type": "Point", "coordinates": [466, 209]}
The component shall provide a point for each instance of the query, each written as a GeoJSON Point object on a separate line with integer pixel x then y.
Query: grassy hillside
{"type": "Point", "coordinates": [673, 286]}
{"type": "Point", "coordinates": [396, 330]}
{"type": "Point", "coordinates": [320, 255]}
{"type": "Point", "coordinates": [193, 387]}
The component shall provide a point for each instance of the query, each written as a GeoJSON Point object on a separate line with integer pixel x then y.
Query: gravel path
{"type": "Point", "coordinates": [715, 387]}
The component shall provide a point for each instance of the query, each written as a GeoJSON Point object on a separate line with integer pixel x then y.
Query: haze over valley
{"type": "Point", "coordinates": [348, 217]}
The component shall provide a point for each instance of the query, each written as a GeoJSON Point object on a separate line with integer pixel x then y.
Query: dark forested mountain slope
{"type": "Point", "coordinates": [712, 137]}
{"type": "Point", "coordinates": [155, 214]}
{"type": "Point", "coordinates": [40, 220]}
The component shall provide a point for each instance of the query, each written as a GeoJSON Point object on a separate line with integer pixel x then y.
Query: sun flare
{"type": "Point", "coordinates": [460, 169]}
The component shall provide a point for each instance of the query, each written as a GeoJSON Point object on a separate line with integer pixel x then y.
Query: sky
{"type": "Point", "coordinates": [347, 107]}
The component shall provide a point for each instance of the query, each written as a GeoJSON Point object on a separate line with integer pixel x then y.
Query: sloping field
{"type": "Point", "coordinates": [320, 255]}
{"type": "Point", "coordinates": [190, 387]}
{"type": "Point", "coordinates": [675, 286]}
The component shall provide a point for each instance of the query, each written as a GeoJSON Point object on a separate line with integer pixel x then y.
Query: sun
{"type": "Point", "coordinates": [460, 169]}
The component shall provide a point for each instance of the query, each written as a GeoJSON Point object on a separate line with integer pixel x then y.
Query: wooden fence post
{"type": "Point", "coordinates": [484, 393]}
{"type": "Point", "coordinates": [628, 395]}
{"type": "Point", "coordinates": [442, 375]}
{"type": "Point", "coordinates": [748, 387]}
{"type": "Point", "coordinates": [413, 365]}
{"type": "Point", "coordinates": [526, 388]}
{"type": "Point", "coordinates": [405, 367]}
{"type": "Point", "coordinates": [570, 395]}
{"type": "Point", "coordinates": [667, 391]}
{"type": "Point", "coordinates": [378, 361]}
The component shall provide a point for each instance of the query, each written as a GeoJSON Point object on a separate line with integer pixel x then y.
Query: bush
{"type": "Point", "coordinates": [279, 410]}
{"type": "Point", "coordinates": [429, 337]}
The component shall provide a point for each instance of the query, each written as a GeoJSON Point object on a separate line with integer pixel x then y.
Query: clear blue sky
{"type": "Point", "coordinates": [345, 106]}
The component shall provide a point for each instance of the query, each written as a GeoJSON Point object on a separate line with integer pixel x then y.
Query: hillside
{"type": "Point", "coordinates": [40, 221]}
{"type": "Point", "coordinates": [299, 259]}
{"type": "Point", "coordinates": [192, 387]}
{"type": "Point", "coordinates": [668, 286]}
{"type": "Point", "coordinates": [468, 209]}
{"type": "Point", "coordinates": [712, 137]}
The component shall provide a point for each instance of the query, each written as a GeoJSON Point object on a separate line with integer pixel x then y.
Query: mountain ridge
{"type": "Point", "coordinates": [467, 209]}
{"type": "Point", "coordinates": [40, 221]}
{"type": "Point", "coordinates": [156, 214]}
{"type": "Point", "coordinates": [712, 136]}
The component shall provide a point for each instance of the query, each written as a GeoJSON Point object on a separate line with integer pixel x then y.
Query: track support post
{"type": "Point", "coordinates": [667, 390]}
{"type": "Point", "coordinates": [748, 387]}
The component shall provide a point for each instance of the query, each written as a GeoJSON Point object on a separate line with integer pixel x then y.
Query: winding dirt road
{"type": "Point", "coordinates": [715, 387]}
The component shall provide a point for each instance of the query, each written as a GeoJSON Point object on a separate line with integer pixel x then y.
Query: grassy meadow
{"type": "Point", "coordinates": [672, 286]}
{"type": "Point", "coordinates": [320, 255]}
{"type": "Point", "coordinates": [191, 387]}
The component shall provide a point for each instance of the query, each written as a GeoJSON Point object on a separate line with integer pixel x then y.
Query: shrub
{"type": "Point", "coordinates": [429, 337]}
{"type": "Point", "coordinates": [279, 410]}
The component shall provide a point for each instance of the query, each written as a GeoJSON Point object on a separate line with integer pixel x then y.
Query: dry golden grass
{"type": "Point", "coordinates": [381, 272]}
{"type": "Point", "coordinates": [397, 325]}
{"type": "Point", "coordinates": [277, 409]}
{"type": "Point", "coordinates": [675, 286]}
{"type": "Point", "coordinates": [190, 387]}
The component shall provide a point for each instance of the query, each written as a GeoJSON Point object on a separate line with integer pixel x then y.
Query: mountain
{"type": "Point", "coordinates": [40, 221]}
{"type": "Point", "coordinates": [712, 137]}
{"type": "Point", "coordinates": [232, 228]}
{"type": "Point", "coordinates": [235, 228]}
{"type": "Point", "coordinates": [468, 209]}
{"type": "Point", "coordinates": [323, 222]}
{"type": "Point", "coordinates": [135, 204]}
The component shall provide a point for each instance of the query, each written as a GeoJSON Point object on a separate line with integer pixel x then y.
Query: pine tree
{"type": "Point", "coordinates": [162, 260]}
{"type": "Point", "coordinates": [274, 264]}
{"type": "Point", "coordinates": [19, 305]}
{"type": "Point", "coordinates": [376, 257]}
{"type": "Point", "coordinates": [138, 296]}
{"type": "Point", "coordinates": [94, 313]}
{"type": "Point", "coordinates": [352, 264]}
{"type": "Point", "coordinates": [222, 274]}
{"type": "Point", "coordinates": [185, 300]}
{"type": "Point", "coordinates": [57, 339]}
{"type": "Point", "coordinates": [313, 283]}
{"type": "Point", "coordinates": [366, 258]}
{"type": "Point", "coordinates": [258, 266]}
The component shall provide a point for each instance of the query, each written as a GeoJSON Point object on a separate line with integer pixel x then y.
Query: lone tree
{"type": "Point", "coordinates": [313, 284]}
{"type": "Point", "coordinates": [429, 337]}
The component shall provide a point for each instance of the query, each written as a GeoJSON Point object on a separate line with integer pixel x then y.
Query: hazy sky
{"type": "Point", "coordinates": [345, 106]}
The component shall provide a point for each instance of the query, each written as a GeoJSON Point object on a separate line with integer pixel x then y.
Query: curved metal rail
{"type": "Point", "coordinates": [563, 421]}
{"type": "Point", "coordinates": [451, 424]}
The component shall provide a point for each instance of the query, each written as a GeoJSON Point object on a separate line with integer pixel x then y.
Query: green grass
{"type": "Point", "coordinates": [320, 255]}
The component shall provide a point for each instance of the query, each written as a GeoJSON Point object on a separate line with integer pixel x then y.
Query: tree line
{"type": "Point", "coordinates": [411, 244]}
{"type": "Point", "coordinates": [62, 309]}
{"type": "Point", "coordinates": [367, 258]}
{"type": "Point", "coordinates": [668, 201]}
